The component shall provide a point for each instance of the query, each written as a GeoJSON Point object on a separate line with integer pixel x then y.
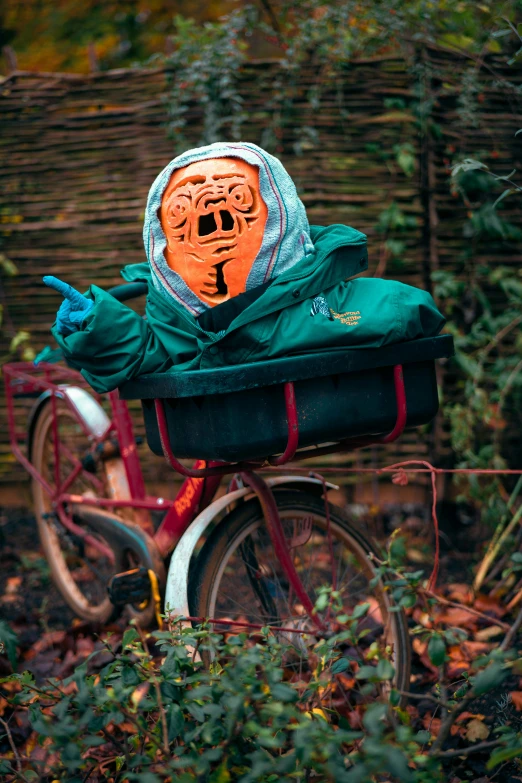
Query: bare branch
{"type": "Point", "coordinates": [510, 636]}
{"type": "Point", "coordinates": [449, 754]}
{"type": "Point", "coordinates": [13, 746]}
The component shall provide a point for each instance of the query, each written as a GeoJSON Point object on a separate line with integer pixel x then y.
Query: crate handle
{"type": "Point", "coordinates": [221, 469]}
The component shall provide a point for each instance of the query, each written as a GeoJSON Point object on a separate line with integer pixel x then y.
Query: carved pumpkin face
{"type": "Point", "coordinates": [213, 217]}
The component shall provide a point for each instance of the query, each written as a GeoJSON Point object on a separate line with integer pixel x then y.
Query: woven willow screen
{"type": "Point", "coordinates": [78, 154]}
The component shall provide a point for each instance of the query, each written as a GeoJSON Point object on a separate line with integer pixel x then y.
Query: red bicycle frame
{"type": "Point", "coordinates": [23, 379]}
{"type": "Point", "coordinates": [201, 482]}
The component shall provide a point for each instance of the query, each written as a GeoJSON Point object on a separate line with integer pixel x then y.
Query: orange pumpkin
{"type": "Point", "coordinates": [213, 217]}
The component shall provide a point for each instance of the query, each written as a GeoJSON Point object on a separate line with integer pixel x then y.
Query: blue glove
{"type": "Point", "coordinates": [73, 309]}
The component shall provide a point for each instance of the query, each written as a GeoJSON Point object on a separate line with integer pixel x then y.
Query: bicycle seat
{"type": "Point", "coordinates": [238, 412]}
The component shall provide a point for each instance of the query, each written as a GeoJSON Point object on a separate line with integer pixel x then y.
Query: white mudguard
{"type": "Point", "coordinates": [176, 594]}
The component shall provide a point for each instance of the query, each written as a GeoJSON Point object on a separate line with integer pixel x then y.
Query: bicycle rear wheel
{"type": "Point", "coordinates": [237, 577]}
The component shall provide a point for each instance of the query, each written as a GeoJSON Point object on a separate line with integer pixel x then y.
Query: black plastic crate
{"type": "Point", "coordinates": [238, 413]}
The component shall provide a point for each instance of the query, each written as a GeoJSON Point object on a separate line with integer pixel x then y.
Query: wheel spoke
{"type": "Point", "coordinates": [249, 584]}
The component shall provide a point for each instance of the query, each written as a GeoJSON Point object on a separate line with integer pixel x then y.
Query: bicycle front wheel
{"type": "Point", "coordinates": [237, 577]}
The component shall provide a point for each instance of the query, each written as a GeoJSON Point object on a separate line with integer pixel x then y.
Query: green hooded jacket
{"type": "Point", "coordinates": [312, 306]}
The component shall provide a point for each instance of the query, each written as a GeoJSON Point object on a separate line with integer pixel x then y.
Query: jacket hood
{"type": "Point", "coordinates": [339, 253]}
{"type": "Point", "coordinates": [286, 239]}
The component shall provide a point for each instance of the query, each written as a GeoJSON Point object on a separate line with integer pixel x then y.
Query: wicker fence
{"type": "Point", "coordinates": [78, 154]}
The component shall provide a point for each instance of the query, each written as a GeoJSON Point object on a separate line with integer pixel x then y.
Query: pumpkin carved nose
{"type": "Point", "coordinates": [207, 225]}
{"type": "Point", "coordinates": [227, 221]}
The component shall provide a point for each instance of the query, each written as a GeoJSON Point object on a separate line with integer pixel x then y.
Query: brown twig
{"type": "Point", "coordinates": [423, 697]}
{"type": "Point", "coordinates": [267, 5]}
{"type": "Point", "coordinates": [500, 335]}
{"type": "Point", "coordinates": [469, 609]}
{"type": "Point", "coordinates": [43, 764]}
{"type": "Point", "coordinates": [159, 700]}
{"type": "Point", "coordinates": [89, 773]}
{"type": "Point", "coordinates": [146, 733]}
{"type": "Point", "coordinates": [448, 754]}
{"type": "Point", "coordinates": [13, 747]}
{"type": "Point", "coordinates": [446, 725]}
{"type": "Point", "coordinates": [509, 637]}
{"type": "Point", "coordinates": [114, 741]}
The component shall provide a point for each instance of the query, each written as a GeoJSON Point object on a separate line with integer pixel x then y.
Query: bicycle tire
{"type": "Point", "coordinates": [50, 533]}
{"type": "Point", "coordinates": [206, 588]}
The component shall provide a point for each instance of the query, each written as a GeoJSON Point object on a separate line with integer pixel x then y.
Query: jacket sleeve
{"type": "Point", "coordinates": [113, 345]}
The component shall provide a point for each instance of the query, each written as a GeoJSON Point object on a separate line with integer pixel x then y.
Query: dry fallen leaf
{"type": "Point", "coordinates": [422, 618]}
{"type": "Point", "coordinates": [488, 633]}
{"type": "Point", "coordinates": [516, 698]}
{"type": "Point", "coordinates": [421, 648]}
{"type": "Point", "coordinates": [476, 730]}
{"type": "Point", "coordinates": [456, 668]}
{"type": "Point", "coordinates": [46, 641]}
{"type": "Point", "coordinates": [139, 692]}
{"type": "Point", "coordinates": [472, 650]}
{"type": "Point", "coordinates": [12, 584]}
{"type": "Point", "coordinates": [431, 724]}
{"type": "Point", "coordinates": [11, 590]}
{"type": "Point", "coordinates": [489, 605]}
{"type": "Point", "coordinates": [457, 617]}
{"type": "Point", "coordinates": [462, 593]}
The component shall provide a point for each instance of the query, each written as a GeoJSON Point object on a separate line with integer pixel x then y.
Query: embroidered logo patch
{"type": "Point", "coordinates": [321, 307]}
{"type": "Point", "coordinates": [349, 318]}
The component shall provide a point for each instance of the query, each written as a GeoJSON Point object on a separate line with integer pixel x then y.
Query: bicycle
{"type": "Point", "coordinates": [253, 557]}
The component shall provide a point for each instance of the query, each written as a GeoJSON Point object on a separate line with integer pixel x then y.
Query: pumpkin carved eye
{"type": "Point", "coordinates": [178, 210]}
{"type": "Point", "coordinates": [241, 197]}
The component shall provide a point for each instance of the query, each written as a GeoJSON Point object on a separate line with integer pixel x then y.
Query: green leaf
{"type": "Point", "coordinates": [374, 718]}
{"type": "Point", "coordinates": [490, 678]}
{"type": "Point", "coordinates": [282, 692]}
{"type": "Point", "coordinates": [366, 673]}
{"type": "Point", "coordinates": [406, 158]}
{"type": "Point", "coordinates": [144, 777]}
{"type": "Point", "coordinates": [221, 774]}
{"type": "Point", "coordinates": [322, 602]}
{"type": "Point", "coordinates": [128, 637]}
{"type": "Point", "coordinates": [92, 741]}
{"type": "Point", "coordinates": [385, 670]}
{"type": "Point", "coordinates": [7, 266]}
{"type": "Point", "coordinates": [175, 721]}
{"type": "Point", "coordinates": [340, 665]}
{"type": "Point", "coordinates": [437, 650]}
{"type": "Point", "coordinates": [130, 676]}
{"type": "Point", "coordinates": [8, 642]}
{"type": "Point", "coordinates": [468, 164]}
{"type": "Point", "coordinates": [503, 195]}
{"type": "Point", "coordinates": [503, 755]}
{"type": "Point", "coordinates": [397, 763]}
{"type": "Point", "coordinates": [360, 610]}
{"type": "Point", "coordinates": [18, 339]}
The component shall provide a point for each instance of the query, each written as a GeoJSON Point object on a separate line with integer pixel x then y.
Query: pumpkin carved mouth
{"type": "Point", "coordinates": [213, 217]}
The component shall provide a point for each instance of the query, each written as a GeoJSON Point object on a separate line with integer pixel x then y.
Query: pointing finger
{"type": "Point", "coordinates": [66, 290]}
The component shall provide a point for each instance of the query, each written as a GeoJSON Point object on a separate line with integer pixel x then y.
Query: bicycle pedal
{"type": "Point", "coordinates": [130, 587]}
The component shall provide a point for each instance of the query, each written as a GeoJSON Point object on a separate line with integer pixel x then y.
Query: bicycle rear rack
{"type": "Point", "coordinates": [221, 469]}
